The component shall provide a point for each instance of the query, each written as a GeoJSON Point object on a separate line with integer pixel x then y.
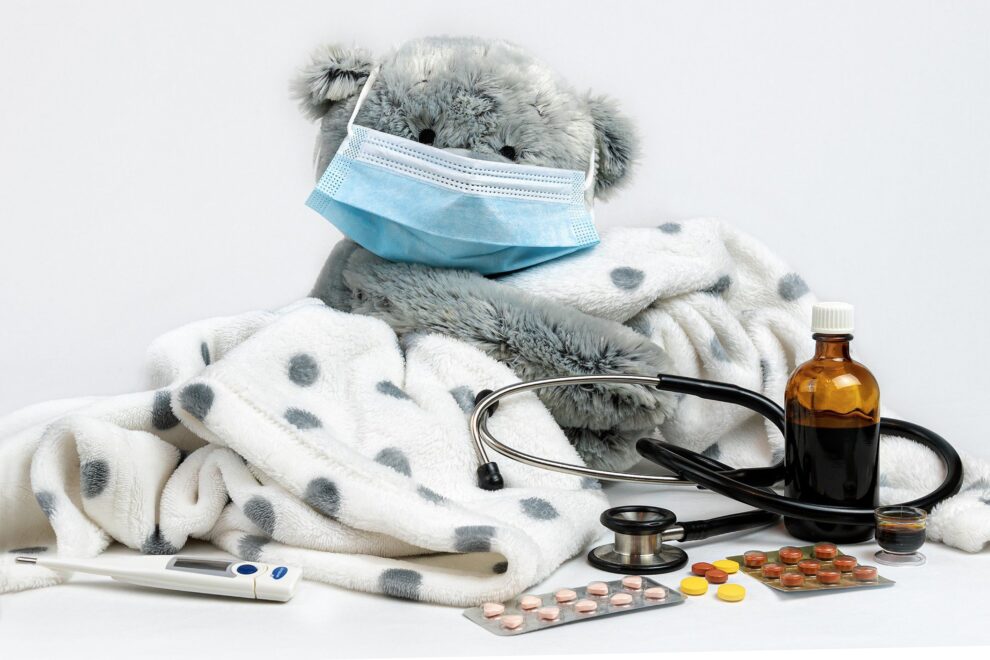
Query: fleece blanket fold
{"type": "Point", "coordinates": [695, 298]}
{"type": "Point", "coordinates": [304, 436]}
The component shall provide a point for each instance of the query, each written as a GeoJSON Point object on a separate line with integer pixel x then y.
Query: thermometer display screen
{"type": "Point", "coordinates": [208, 566]}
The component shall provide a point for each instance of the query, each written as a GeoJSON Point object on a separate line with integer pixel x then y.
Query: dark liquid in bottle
{"type": "Point", "coordinates": [831, 466]}
{"type": "Point", "coordinates": [900, 538]}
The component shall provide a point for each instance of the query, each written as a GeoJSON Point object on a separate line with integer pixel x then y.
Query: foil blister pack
{"type": "Point", "coordinates": [532, 612]}
{"type": "Point", "coordinates": [821, 567]}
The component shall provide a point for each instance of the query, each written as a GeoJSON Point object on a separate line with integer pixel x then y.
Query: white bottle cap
{"type": "Point", "coordinates": [832, 318]}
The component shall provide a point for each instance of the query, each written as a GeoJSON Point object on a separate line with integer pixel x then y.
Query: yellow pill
{"type": "Point", "coordinates": [731, 592]}
{"type": "Point", "coordinates": [694, 586]}
{"type": "Point", "coordinates": [726, 565]}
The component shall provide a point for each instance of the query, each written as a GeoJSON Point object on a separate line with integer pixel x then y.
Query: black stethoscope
{"type": "Point", "coordinates": [641, 532]}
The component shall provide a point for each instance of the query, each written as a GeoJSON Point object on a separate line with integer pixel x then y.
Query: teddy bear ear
{"type": "Point", "coordinates": [616, 141]}
{"type": "Point", "coordinates": [333, 74]}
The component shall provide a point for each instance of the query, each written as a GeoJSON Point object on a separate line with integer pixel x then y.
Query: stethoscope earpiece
{"type": "Point", "coordinates": [638, 548]}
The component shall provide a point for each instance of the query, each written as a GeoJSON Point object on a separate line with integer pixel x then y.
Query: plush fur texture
{"type": "Point", "coordinates": [536, 337]}
{"type": "Point", "coordinates": [612, 450]}
{"type": "Point", "coordinates": [488, 99]}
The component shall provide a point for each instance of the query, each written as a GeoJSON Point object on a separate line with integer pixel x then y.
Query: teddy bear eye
{"type": "Point", "coordinates": [427, 136]}
{"type": "Point", "coordinates": [508, 152]}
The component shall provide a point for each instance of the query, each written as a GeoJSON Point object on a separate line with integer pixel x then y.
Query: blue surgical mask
{"type": "Point", "coordinates": [412, 202]}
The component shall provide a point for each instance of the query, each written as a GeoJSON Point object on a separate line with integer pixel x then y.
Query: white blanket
{"type": "Point", "coordinates": [305, 436]}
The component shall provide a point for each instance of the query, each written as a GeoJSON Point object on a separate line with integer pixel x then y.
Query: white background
{"type": "Point", "coordinates": [153, 169]}
{"type": "Point", "coordinates": [153, 172]}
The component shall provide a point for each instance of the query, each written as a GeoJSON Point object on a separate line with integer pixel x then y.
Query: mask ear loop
{"type": "Point", "coordinates": [362, 96]}
{"type": "Point", "coordinates": [317, 153]}
{"type": "Point", "coordinates": [350, 122]}
{"type": "Point", "coordinates": [589, 179]}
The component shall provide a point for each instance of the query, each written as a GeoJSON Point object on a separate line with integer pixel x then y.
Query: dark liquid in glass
{"type": "Point", "coordinates": [831, 466]}
{"type": "Point", "coordinates": [900, 538]}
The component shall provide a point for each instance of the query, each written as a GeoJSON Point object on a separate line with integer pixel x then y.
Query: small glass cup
{"type": "Point", "coordinates": [900, 533]}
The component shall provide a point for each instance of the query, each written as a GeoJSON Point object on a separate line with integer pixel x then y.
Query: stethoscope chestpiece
{"type": "Point", "coordinates": [638, 548]}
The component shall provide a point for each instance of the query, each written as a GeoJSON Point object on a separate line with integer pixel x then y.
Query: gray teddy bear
{"type": "Point", "coordinates": [482, 98]}
{"type": "Point", "coordinates": [490, 100]}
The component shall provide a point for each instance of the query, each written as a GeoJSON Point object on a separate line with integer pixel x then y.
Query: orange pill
{"type": "Point", "coordinates": [829, 576]}
{"type": "Point", "coordinates": [790, 555]}
{"type": "Point", "coordinates": [772, 570]}
{"type": "Point", "coordinates": [844, 563]}
{"type": "Point", "coordinates": [865, 573]}
{"type": "Point", "coordinates": [715, 576]}
{"type": "Point", "coordinates": [701, 568]}
{"type": "Point", "coordinates": [754, 558]}
{"type": "Point", "coordinates": [792, 579]}
{"type": "Point", "coordinates": [825, 550]}
{"type": "Point", "coordinates": [809, 566]}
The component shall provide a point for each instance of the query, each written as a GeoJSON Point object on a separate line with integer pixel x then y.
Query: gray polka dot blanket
{"type": "Point", "coordinates": [334, 436]}
{"type": "Point", "coordinates": [304, 436]}
{"type": "Point", "coordinates": [695, 298]}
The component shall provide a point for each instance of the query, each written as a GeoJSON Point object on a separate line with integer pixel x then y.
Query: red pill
{"type": "Point", "coordinates": [701, 568]}
{"type": "Point", "coordinates": [754, 558]}
{"type": "Point", "coordinates": [825, 550]}
{"type": "Point", "coordinates": [809, 566]}
{"type": "Point", "coordinates": [865, 573]}
{"type": "Point", "coordinates": [715, 576]}
{"type": "Point", "coordinates": [792, 579]}
{"type": "Point", "coordinates": [844, 563]}
{"type": "Point", "coordinates": [829, 576]}
{"type": "Point", "coordinates": [790, 555]}
{"type": "Point", "coordinates": [772, 570]}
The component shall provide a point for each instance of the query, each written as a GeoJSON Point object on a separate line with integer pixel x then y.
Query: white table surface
{"type": "Point", "coordinates": [942, 603]}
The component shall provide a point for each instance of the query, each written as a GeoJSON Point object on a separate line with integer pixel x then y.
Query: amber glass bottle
{"type": "Point", "coordinates": [832, 435]}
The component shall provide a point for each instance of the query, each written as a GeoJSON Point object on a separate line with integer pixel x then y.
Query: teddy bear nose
{"type": "Point", "coordinates": [427, 136]}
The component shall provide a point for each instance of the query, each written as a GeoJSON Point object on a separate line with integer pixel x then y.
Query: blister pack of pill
{"type": "Point", "coordinates": [821, 567]}
{"type": "Point", "coordinates": [532, 612]}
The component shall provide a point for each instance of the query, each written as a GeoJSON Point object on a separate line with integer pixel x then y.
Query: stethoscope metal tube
{"type": "Point", "coordinates": [490, 478]}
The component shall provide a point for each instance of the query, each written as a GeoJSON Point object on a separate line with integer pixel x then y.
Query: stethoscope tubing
{"type": "Point", "coordinates": [482, 437]}
{"type": "Point", "coordinates": [715, 391]}
{"type": "Point", "coordinates": [722, 484]}
{"type": "Point", "coordinates": [694, 469]}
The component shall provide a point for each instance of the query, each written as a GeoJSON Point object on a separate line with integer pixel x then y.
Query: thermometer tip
{"type": "Point", "coordinates": [26, 560]}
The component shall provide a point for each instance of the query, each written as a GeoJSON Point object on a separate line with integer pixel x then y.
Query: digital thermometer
{"type": "Point", "coordinates": [221, 577]}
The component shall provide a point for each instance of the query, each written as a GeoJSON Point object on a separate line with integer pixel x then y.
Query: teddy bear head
{"type": "Point", "coordinates": [486, 99]}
